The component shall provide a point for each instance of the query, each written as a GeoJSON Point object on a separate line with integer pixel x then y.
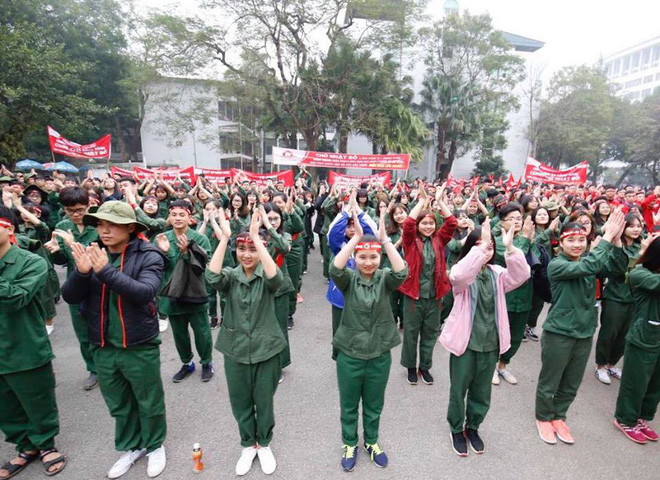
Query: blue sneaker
{"type": "Point", "coordinates": [376, 454]}
{"type": "Point", "coordinates": [182, 374]}
{"type": "Point", "coordinates": [349, 458]}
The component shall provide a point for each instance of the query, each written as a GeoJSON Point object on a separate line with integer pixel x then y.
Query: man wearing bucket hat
{"type": "Point", "coordinates": [117, 283]}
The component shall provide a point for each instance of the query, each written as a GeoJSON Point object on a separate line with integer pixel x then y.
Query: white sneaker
{"type": "Point", "coordinates": [267, 460]}
{"type": "Point", "coordinates": [49, 329]}
{"type": "Point", "coordinates": [602, 376]}
{"type": "Point", "coordinates": [244, 463]}
{"type": "Point", "coordinates": [507, 376]}
{"type": "Point", "coordinates": [614, 372]}
{"type": "Point", "coordinates": [162, 325]}
{"type": "Point", "coordinates": [496, 378]}
{"type": "Point", "coordinates": [157, 462]}
{"type": "Point", "coordinates": [125, 462]}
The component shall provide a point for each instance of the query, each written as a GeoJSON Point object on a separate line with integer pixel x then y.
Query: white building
{"type": "Point", "coordinates": [635, 70]}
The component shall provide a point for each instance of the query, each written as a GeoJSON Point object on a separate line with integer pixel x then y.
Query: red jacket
{"type": "Point", "coordinates": [413, 246]}
{"type": "Point", "coordinates": [649, 206]}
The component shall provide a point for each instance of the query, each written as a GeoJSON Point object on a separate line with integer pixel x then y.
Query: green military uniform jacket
{"type": "Point", "coordinates": [573, 312]}
{"type": "Point", "coordinates": [520, 299]}
{"type": "Point", "coordinates": [280, 245]}
{"type": "Point", "coordinates": [367, 328]}
{"type": "Point", "coordinates": [64, 257]}
{"type": "Point", "coordinates": [329, 207]}
{"type": "Point", "coordinates": [617, 285]}
{"type": "Point", "coordinates": [249, 333]}
{"type": "Point", "coordinates": [168, 306]}
{"type": "Point", "coordinates": [645, 329]}
{"type": "Point", "coordinates": [156, 225]}
{"type": "Point", "coordinates": [24, 342]}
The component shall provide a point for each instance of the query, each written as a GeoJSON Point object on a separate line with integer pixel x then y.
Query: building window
{"type": "Point", "coordinates": [617, 67]}
{"type": "Point", "coordinates": [656, 56]}
{"type": "Point", "coordinates": [646, 93]}
{"type": "Point", "coordinates": [635, 61]}
{"type": "Point", "coordinates": [626, 65]}
{"type": "Point", "coordinates": [633, 83]}
{"type": "Point", "coordinates": [646, 58]}
{"type": "Point", "coordinates": [648, 79]}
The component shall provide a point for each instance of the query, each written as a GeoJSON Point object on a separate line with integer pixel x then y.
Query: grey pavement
{"type": "Point", "coordinates": [307, 440]}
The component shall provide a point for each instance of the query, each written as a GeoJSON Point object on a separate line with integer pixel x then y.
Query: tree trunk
{"type": "Point", "coordinates": [440, 151]}
{"type": "Point", "coordinates": [624, 175]}
{"type": "Point", "coordinates": [450, 160]}
{"type": "Point", "coordinates": [120, 140]}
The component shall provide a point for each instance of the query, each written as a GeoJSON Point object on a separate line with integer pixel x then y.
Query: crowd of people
{"type": "Point", "coordinates": [470, 267]}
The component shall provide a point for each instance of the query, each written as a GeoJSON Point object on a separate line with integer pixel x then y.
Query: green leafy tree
{"type": "Point", "coordinates": [471, 69]}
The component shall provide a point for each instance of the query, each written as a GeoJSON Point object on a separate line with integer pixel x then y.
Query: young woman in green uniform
{"type": "Point", "coordinates": [175, 245]}
{"type": "Point", "coordinates": [28, 407]}
{"type": "Point", "coordinates": [477, 330]}
{"type": "Point", "coordinates": [571, 323]}
{"type": "Point", "coordinates": [250, 339]}
{"type": "Point", "coordinates": [639, 392]}
{"type": "Point", "coordinates": [365, 336]}
{"type": "Point", "coordinates": [279, 246]}
{"type": "Point", "coordinates": [240, 214]}
{"type": "Point", "coordinates": [617, 304]}
{"type": "Point", "coordinates": [424, 250]}
{"type": "Point", "coordinates": [397, 214]}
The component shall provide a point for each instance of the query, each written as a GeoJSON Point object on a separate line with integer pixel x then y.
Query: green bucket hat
{"type": "Point", "coordinates": [114, 212]}
{"type": "Point", "coordinates": [550, 206]}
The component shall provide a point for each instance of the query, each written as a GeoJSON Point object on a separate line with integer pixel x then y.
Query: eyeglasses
{"type": "Point", "coordinates": [513, 219]}
{"type": "Point", "coordinates": [75, 211]}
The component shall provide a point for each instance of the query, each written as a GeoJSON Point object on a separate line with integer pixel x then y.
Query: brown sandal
{"type": "Point", "coordinates": [59, 460]}
{"type": "Point", "coordinates": [15, 469]}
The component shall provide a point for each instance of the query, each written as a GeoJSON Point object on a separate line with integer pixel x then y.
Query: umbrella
{"type": "Point", "coordinates": [60, 167]}
{"type": "Point", "coordinates": [27, 164]}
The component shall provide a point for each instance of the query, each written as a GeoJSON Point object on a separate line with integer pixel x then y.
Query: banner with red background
{"type": "Point", "coordinates": [101, 148]}
{"type": "Point", "coordinates": [169, 174]}
{"type": "Point", "coordinates": [384, 179]}
{"type": "Point", "coordinates": [289, 156]}
{"type": "Point", "coordinates": [539, 172]}
{"type": "Point", "coordinates": [262, 178]}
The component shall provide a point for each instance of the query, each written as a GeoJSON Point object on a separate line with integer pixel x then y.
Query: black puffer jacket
{"type": "Point", "coordinates": [137, 284]}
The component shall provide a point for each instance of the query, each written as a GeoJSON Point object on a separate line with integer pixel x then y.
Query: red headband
{"type": "Point", "coordinates": [369, 246]}
{"type": "Point", "coordinates": [6, 223]}
{"type": "Point", "coordinates": [573, 233]}
{"type": "Point", "coordinates": [245, 239]}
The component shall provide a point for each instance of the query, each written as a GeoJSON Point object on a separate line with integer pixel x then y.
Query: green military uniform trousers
{"type": "Point", "coordinates": [535, 312]}
{"type": "Point", "coordinates": [132, 388]}
{"type": "Point", "coordinates": [213, 295]}
{"type": "Point", "coordinates": [80, 328]}
{"type": "Point", "coordinates": [615, 320]}
{"type": "Point", "coordinates": [325, 250]}
{"type": "Point", "coordinates": [447, 305]}
{"type": "Point", "coordinates": [364, 380]}
{"type": "Point", "coordinates": [639, 392]}
{"type": "Point", "coordinates": [282, 312]}
{"type": "Point", "coordinates": [294, 265]}
{"type": "Point", "coordinates": [396, 300]}
{"type": "Point", "coordinates": [251, 391]}
{"type": "Point", "coordinates": [199, 322]}
{"type": "Point", "coordinates": [517, 324]}
{"type": "Point", "coordinates": [28, 408]}
{"type": "Point", "coordinates": [421, 323]}
{"type": "Point", "coordinates": [563, 360]}
{"type": "Point", "coordinates": [470, 374]}
{"type": "Point", "coordinates": [336, 320]}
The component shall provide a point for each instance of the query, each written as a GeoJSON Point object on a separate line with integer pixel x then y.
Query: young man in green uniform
{"type": "Point", "coordinates": [518, 301]}
{"type": "Point", "coordinates": [75, 203]}
{"type": "Point", "coordinates": [365, 337]}
{"type": "Point", "coordinates": [571, 323]}
{"type": "Point", "coordinates": [175, 244]}
{"type": "Point", "coordinates": [250, 339]}
{"type": "Point", "coordinates": [118, 288]}
{"type": "Point", "coordinates": [28, 407]}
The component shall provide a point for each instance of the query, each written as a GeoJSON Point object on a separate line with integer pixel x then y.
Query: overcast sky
{"type": "Point", "coordinates": [574, 31]}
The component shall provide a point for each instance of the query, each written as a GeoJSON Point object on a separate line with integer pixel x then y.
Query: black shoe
{"type": "Point", "coordinates": [207, 372]}
{"type": "Point", "coordinates": [289, 323]}
{"type": "Point", "coordinates": [476, 443]}
{"type": "Point", "coordinates": [459, 444]}
{"type": "Point", "coordinates": [412, 376]}
{"type": "Point", "coordinates": [427, 378]}
{"type": "Point", "coordinates": [57, 299]}
{"type": "Point", "coordinates": [214, 323]}
{"type": "Point", "coordinates": [182, 374]}
{"type": "Point", "coordinates": [91, 382]}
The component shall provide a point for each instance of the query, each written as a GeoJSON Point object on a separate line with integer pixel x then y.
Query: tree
{"type": "Point", "coordinates": [491, 142]}
{"type": "Point", "coordinates": [470, 70]}
{"type": "Point", "coordinates": [575, 121]}
{"type": "Point", "coordinates": [644, 153]}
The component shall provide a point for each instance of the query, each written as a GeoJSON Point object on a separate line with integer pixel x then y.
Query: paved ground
{"type": "Point", "coordinates": [307, 441]}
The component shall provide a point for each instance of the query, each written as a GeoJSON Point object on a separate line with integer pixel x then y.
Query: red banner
{"type": "Point", "coordinates": [169, 174]}
{"type": "Point", "coordinates": [344, 181]}
{"type": "Point", "coordinates": [539, 172]}
{"type": "Point", "coordinates": [262, 178]}
{"type": "Point", "coordinates": [289, 156]}
{"type": "Point", "coordinates": [101, 148]}
{"type": "Point", "coordinates": [213, 175]}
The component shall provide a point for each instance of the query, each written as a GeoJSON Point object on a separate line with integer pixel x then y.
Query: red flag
{"type": "Point", "coordinates": [510, 182]}
{"type": "Point", "coordinates": [519, 182]}
{"type": "Point", "coordinates": [499, 182]}
{"type": "Point", "coordinates": [475, 182]}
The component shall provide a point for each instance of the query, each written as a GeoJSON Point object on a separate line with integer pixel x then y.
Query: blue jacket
{"type": "Point", "coordinates": [336, 240]}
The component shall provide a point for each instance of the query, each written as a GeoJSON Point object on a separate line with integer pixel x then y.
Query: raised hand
{"type": "Point", "coordinates": [52, 245]}
{"type": "Point", "coordinates": [554, 225]}
{"type": "Point", "coordinates": [485, 234]}
{"type": "Point", "coordinates": [507, 238]}
{"type": "Point", "coordinates": [382, 233]}
{"type": "Point", "coordinates": [264, 218]}
{"type": "Point", "coordinates": [97, 256]}
{"type": "Point", "coordinates": [182, 243]}
{"type": "Point", "coordinates": [528, 229]}
{"type": "Point", "coordinates": [80, 257]}
{"type": "Point", "coordinates": [224, 223]}
{"type": "Point", "coordinates": [648, 241]}
{"type": "Point", "coordinates": [66, 236]}
{"type": "Point", "coordinates": [358, 226]}
{"type": "Point", "coordinates": [162, 243]}
{"type": "Point", "coordinates": [255, 224]}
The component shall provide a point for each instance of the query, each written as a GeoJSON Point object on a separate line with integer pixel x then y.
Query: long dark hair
{"type": "Point", "coordinates": [243, 211]}
{"type": "Point", "coordinates": [629, 218]}
{"type": "Point", "coordinates": [581, 212]}
{"type": "Point", "coordinates": [651, 258]}
{"type": "Point", "coordinates": [471, 241]}
{"type": "Point", "coordinates": [392, 227]}
{"type": "Point", "coordinates": [271, 207]}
